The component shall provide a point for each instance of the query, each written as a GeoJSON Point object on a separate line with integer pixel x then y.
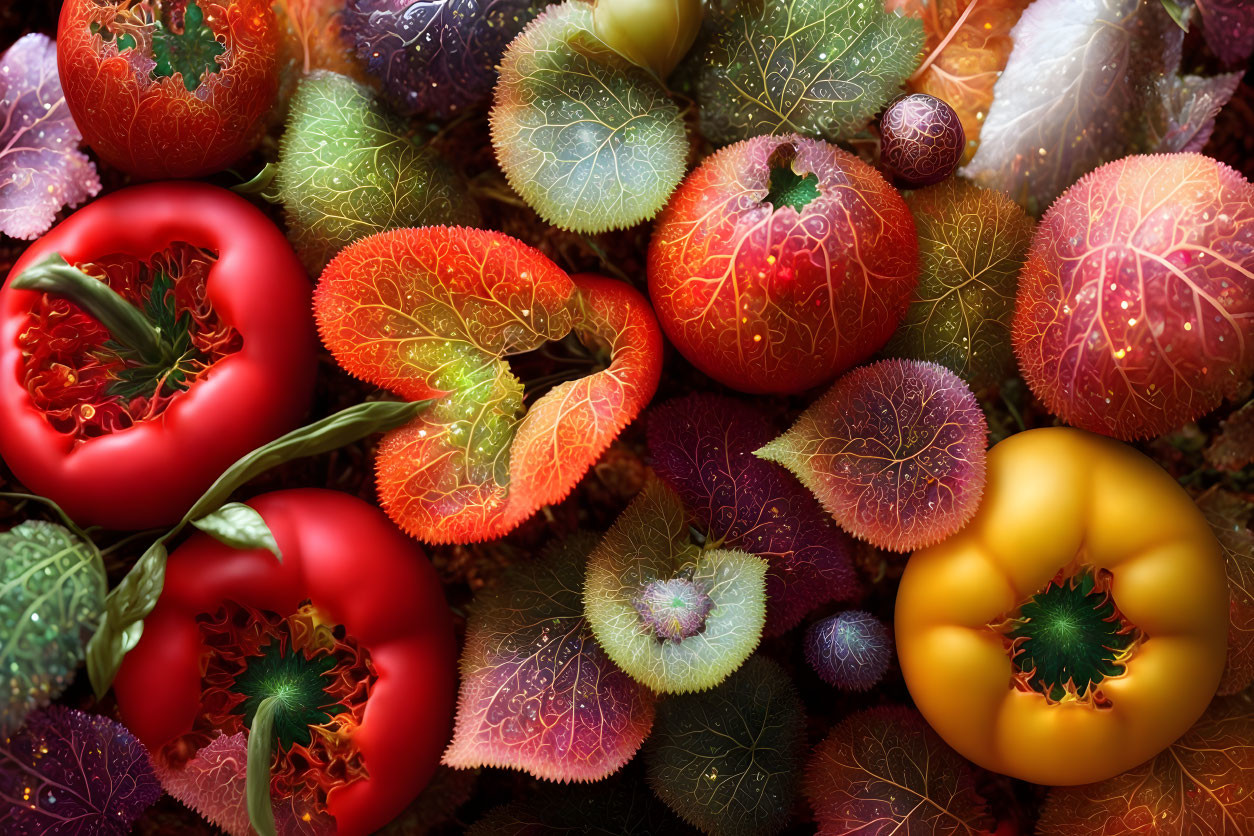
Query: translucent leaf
{"type": "Point", "coordinates": [814, 67]}
{"type": "Point", "coordinates": [675, 617]}
{"type": "Point", "coordinates": [1112, 90]}
{"type": "Point", "coordinates": [972, 244]}
{"type": "Point", "coordinates": [588, 139]}
{"type": "Point", "coordinates": [538, 694]}
{"type": "Point", "coordinates": [1200, 784]}
{"type": "Point", "coordinates": [702, 446]}
{"type": "Point", "coordinates": [968, 42]}
{"type": "Point", "coordinates": [347, 169]}
{"type": "Point", "coordinates": [1192, 103]}
{"type": "Point", "coordinates": [1230, 518]}
{"type": "Point", "coordinates": [436, 56]}
{"type": "Point", "coordinates": [1229, 28]}
{"type": "Point", "coordinates": [726, 760]}
{"type": "Point", "coordinates": [41, 168]}
{"type": "Point", "coordinates": [884, 771]}
{"type": "Point", "coordinates": [894, 451]}
{"type": "Point", "coordinates": [73, 774]}
{"type": "Point", "coordinates": [52, 591]}
{"type": "Point", "coordinates": [431, 313]}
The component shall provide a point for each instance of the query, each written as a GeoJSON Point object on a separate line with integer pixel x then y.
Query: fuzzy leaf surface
{"type": "Point", "coordinates": [702, 446]}
{"type": "Point", "coordinates": [649, 543]}
{"type": "Point", "coordinates": [41, 168]}
{"type": "Point", "coordinates": [75, 774]}
{"type": "Point", "coordinates": [591, 141]}
{"type": "Point", "coordinates": [884, 771]}
{"type": "Point", "coordinates": [821, 68]}
{"type": "Point", "coordinates": [538, 693]}
{"type": "Point", "coordinates": [727, 760]}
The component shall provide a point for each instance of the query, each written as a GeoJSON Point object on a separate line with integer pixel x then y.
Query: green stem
{"type": "Point", "coordinates": [260, 182]}
{"type": "Point", "coordinates": [257, 775]}
{"type": "Point", "coordinates": [125, 322]}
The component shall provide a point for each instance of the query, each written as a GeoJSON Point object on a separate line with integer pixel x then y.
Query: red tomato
{"type": "Point", "coordinates": [357, 570]}
{"type": "Point", "coordinates": [115, 444]}
{"type": "Point", "coordinates": [168, 89]}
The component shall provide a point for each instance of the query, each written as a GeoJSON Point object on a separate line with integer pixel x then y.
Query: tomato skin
{"type": "Point", "coordinates": [154, 127]}
{"type": "Point", "coordinates": [358, 569]}
{"type": "Point", "coordinates": [1054, 496]}
{"type": "Point", "coordinates": [150, 474]}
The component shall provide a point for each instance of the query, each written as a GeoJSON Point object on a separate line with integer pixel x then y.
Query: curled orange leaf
{"type": "Point", "coordinates": [432, 313]}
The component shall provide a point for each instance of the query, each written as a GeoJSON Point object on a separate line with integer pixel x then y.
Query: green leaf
{"type": "Point", "coordinates": [129, 603]}
{"type": "Point", "coordinates": [675, 617]}
{"type": "Point", "coordinates": [126, 606]}
{"type": "Point", "coordinates": [1179, 13]}
{"type": "Point", "coordinates": [257, 777]}
{"type": "Point", "coordinates": [52, 592]}
{"type": "Point", "coordinates": [192, 52]}
{"type": "Point", "coordinates": [590, 140]}
{"type": "Point", "coordinates": [821, 68]}
{"type": "Point", "coordinates": [347, 169]}
{"type": "Point", "coordinates": [334, 431]}
{"type": "Point", "coordinates": [239, 527]}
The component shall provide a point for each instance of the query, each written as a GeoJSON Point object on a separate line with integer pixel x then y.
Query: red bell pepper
{"type": "Point", "coordinates": [185, 341]}
{"type": "Point", "coordinates": [354, 622]}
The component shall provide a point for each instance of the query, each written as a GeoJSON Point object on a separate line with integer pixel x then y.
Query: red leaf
{"type": "Point", "coordinates": [41, 168]}
{"type": "Point", "coordinates": [1201, 785]}
{"type": "Point", "coordinates": [1230, 518]}
{"type": "Point", "coordinates": [884, 771]}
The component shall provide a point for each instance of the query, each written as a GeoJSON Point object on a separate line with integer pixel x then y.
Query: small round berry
{"type": "Point", "coordinates": [850, 650]}
{"type": "Point", "coordinates": [921, 140]}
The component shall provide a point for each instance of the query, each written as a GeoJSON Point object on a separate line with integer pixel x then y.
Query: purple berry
{"type": "Point", "coordinates": [850, 650]}
{"type": "Point", "coordinates": [921, 140]}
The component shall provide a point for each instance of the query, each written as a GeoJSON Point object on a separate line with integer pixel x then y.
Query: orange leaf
{"type": "Point", "coordinates": [432, 313]}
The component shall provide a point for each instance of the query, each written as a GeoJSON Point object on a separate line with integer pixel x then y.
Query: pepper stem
{"type": "Point", "coordinates": [257, 774]}
{"type": "Point", "coordinates": [125, 322]}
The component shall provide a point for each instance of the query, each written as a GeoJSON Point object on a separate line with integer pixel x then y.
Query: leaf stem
{"type": "Point", "coordinates": [257, 771]}
{"type": "Point", "coordinates": [125, 322]}
{"type": "Point", "coordinates": [259, 183]}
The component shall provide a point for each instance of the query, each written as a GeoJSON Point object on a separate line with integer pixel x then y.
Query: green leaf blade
{"type": "Point", "coordinates": [591, 141]}
{"type": "Point", "coordinates": [240, 527]}
{"type": "Point", "coordinates": [52, 594]}
{"type": "Point", "coordinates": [821, 68]}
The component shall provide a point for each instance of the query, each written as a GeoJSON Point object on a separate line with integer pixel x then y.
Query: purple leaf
{"type": "Point", "coordinates": [1229, 28]}
{"type": "Point", "coordinates": [41, 168]}
{"type": "Point", "coordinates": [67, 772]}
{"type": "Point", "coordinates": [702, 445]}
{"type": "Point", "coordinates": [1192, 104]}
{"type": "Point", "coordinates": [538, 693]}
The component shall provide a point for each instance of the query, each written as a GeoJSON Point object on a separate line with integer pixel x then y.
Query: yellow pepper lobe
{"type": "Point", "coordinates": [1077, 625]}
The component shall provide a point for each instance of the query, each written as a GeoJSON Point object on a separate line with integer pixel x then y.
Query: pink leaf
{"type": "Point", "coordinates": [41, 168]}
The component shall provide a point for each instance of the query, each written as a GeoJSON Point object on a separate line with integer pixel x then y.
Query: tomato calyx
{"type": "Point", "coordinates": [787, 186]}
{"type": "Point", "coordinates": [1069, 637]}
{"type": "Point", "coordinates": [178, 34]}
{"type": "Point", "coordinates": [297, 680]}
{"type": "Point", "coordinates": [113, 343]}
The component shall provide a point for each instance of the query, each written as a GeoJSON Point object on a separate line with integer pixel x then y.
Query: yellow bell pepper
{"type": "Point", "coordinates": [1077, 625]}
